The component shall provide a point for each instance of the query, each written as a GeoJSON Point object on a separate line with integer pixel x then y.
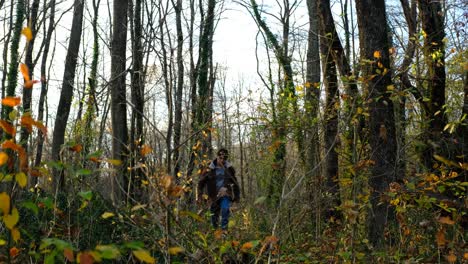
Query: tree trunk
{"type": "Point", "coordinates": [312, 105]}
{"type": "Point", "coordinates": [119, 100]}
{"type": "Point", "coordinates": [374, 43]}
{"type": "Point", "coordinates": [179, 88]}
{"type": "Point", "coordinates": [203, 113]}
{"type": "Point", "coordinates": [137, 93]}
{"type": "Point", "coordinates": [27, 92]}
{"type": "Point", "coordinates": [330, 121]}
{"type": "Point", "coordinates": [66, 95]}
{"type": "Point", "coordinates": [434, 52]}
{"type": "Point", "coordinates": [42, 96]}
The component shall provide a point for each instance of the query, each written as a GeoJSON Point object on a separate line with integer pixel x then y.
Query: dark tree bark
{"type": "Point", "coordinates": [44, 83]}
{"type": "Point", "coordinates": [374, 44]}
{"type": "Point", "coordinates": [330, 81]}
{"type": "Point", "coordinates": [432, 18]}
{"type": "Point", "coordinates": [66, 95]}
{"type": "Point", "coordinates": [203, 114]}
{"type": "Point", "coordinates": [119, 99]}
{"type": "Point", "coordinates": [179, 87]}
{"type": "Point", "coordinates": [27, 91]}
{"type": "Point", "coordinates": [137, 94]}
{"type": "Point", "coordinates": [12, 76]}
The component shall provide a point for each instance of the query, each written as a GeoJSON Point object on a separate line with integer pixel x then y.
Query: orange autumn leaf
{"type": "Point", "coordinates": [23, 158]}
{"type": "Point", "coordinates": [27, 32]}
{"type": "Point", "coordinates": [246, 246]}
{"type": "Point", "coordinates": [25, 72]}
{"type": "Point", "coordinates": [14, 252]}
{"type": "Point", "coordinates": [377, 54]}
{"type": "Point", "coordinates": [11, 101]}
{"type": "Point", "coordinates": [440, 238]}
{"type": "Point", "coordinates": [145, 150]}
{"type": "Point", "coordinates": [76, 148]}
{"type": "Point", "coordinates": [445, 220]}
{"type": "Point", "coordinates": [94, 159]}
{"type": "Point", "coordinates": [68, 254]}
{"type": "Point", "coordinates": [27, 122]}
{"type": "Point", "coordinates": [29, 84]}
{"type": "Point", "coordinates": [9, 144]}
{"type": "Point", "coordinates": [451, 258]}
{"type": "Point", "coordinates": [8, 128]}
{"type": "Point", "coordinates": [4, 203]}
{"type": "Point", "coordinates": [85, 258]}
{"type": "Point", "coordinates": [3, 158]}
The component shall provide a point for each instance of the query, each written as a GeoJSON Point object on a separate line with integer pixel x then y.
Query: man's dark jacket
{"type": "Point", "coordinates": [208, 180]}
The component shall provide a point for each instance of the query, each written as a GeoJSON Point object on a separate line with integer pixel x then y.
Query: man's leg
{"type": "Point", "coordinates": [225, 205]}
{"type": "Point", "coordinates": [214, 209]}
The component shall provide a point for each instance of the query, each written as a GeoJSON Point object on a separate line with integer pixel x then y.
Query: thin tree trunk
{"type": "Point", "coordinates": [66, 95]}
{"type": "Point", "coordinates": [27, 92]}
{"type": "Point", "coordinates": [121, 183]}
{"type": "Point", "coordinates": [179, 87]}
{"type": "Point", "coordinates": [43, 94]}
{"type": "Point", "coordinates": [137, 93]}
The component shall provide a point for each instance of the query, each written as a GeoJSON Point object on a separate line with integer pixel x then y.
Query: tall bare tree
{"type": "Point", "coordinates": [119, 99]}
{"type": "Point", "coordinates": [374, 46]}
{"type": "Point", "coordinates": [66, 95]}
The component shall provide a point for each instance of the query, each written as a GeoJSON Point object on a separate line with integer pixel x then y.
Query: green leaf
{"type": "Point", "coordinates": [88, 195]}
{"type": "Point", "coordinates": [260, 200]}
{"type": "Point", "coordinates": [31, 206]}
{"type": "Point", "coordinates": [48, 202]}
{"type": "Point", "coordinates": [134, 245]}
{"type": "Point", "coordinates": [108, 251]}
{"type": "Point", "coordinates": [83, 172]}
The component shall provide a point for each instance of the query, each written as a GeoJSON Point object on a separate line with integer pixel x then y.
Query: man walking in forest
{"type": "Point", "coordinates": [222, 188]}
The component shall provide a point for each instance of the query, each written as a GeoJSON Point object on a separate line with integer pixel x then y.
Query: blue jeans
{"type": "Point", "coordinates": [222, 205]}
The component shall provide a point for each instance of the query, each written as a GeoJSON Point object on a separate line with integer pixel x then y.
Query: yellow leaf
{"type": "Point", "coordinates": [445, 220]}
{"type": "Point", "coordinates": [107, 215]}
{"type": "Point", "coordinates": [465, 255]}
{"type": "Point", "coordinates": [21, 179]}
{"type": "Point", "coordinates": [377, 54]}
{"type": "Point", "coordinates": [5, 203]}
{"type": "Point", "coordinates": [175, 250]}
{"type": "Point", "coordinates": [25, 72]}
{"type": "Point", "coordinates": [15, 234]}
{"type": "Point", "coordinates": [27, 32]}
{"type": "Point", "coordinates": [2, 242]}
{"type": "Point", "coordinates": [144, 256]}
{"type": "Point", "coordinates": [115, 162]}
{"type": "Point", "coordinates": [11, 220]}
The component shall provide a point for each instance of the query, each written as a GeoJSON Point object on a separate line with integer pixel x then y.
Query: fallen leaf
{"type": "Point", "coordinates": [143, 256]}
{"type": "Point", "coordinates": [175, 250]}
{"type": "Point", "coordinates": [445, 220]}
{"type": "Point", "coordinates": [14, 252]}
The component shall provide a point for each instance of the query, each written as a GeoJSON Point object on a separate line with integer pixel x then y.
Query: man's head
{"type": "Point", "coordinates": [223, 154]}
